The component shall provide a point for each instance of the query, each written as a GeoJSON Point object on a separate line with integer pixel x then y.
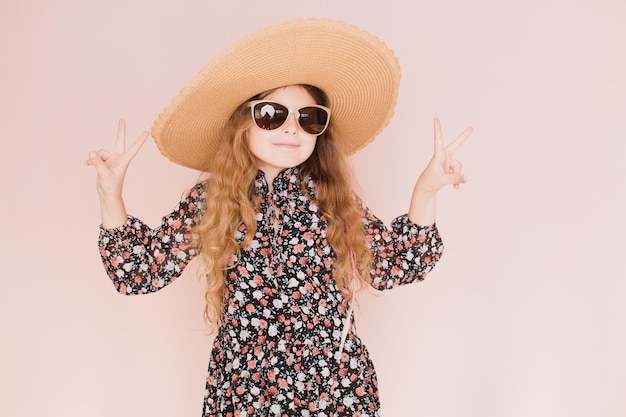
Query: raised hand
{"type": "Point", "coordinates": [442, 170]}
{"type": "Point", "coordinates": [111, 171]}
{"type": "Point", "coordinates": [111, 168]}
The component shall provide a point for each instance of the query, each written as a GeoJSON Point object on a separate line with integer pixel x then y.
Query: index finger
{"type": "Point", "coordinates": [438, 135]}
{"type": "Point", "coordinates": [459, 140]}
{"type": "Point", "coordinates": [120, 141]}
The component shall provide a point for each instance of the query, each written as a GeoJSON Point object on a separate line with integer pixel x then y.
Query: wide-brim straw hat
{"type": "Point", "coordinates": [358, 72]}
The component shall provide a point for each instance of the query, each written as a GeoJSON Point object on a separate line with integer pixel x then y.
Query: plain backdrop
{"type": "Point", "coordinates": [524, 315]}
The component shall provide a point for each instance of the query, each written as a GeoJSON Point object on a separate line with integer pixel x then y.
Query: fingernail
{"type": "Point", "coordinates": [463, 179]}
{"type": "Point", "coordinates": [92, 155]}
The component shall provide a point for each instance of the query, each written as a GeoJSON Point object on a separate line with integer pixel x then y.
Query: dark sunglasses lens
{"type": "Point", "coordinates": [313, 120]}
{"type": "Point", "coordinates": [269, 116]}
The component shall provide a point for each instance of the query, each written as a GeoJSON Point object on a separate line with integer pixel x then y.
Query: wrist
{"type": "Point", "coordinates": [110, 195]}
{"type": "Point", "coordinates": [423, 192]}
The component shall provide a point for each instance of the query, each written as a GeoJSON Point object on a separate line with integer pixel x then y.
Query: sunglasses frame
{"type": "Point", "coordinates": [295, 112]}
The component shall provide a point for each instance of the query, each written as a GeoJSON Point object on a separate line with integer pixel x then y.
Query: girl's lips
{"type": "Point", "coordinates": [287, 145]}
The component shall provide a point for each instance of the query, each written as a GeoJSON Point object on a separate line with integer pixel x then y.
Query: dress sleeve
{"type": "Point", "coordinates": [141, 260]}
{"type": "Point", "coordinates": [404, 253]}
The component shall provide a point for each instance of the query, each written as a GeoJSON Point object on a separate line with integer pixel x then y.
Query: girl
{"type": "Point", "coordinates": [285, 242]}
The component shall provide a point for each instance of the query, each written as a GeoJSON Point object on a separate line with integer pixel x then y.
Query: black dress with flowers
{"type": "Point", "coordinates": [276, 351]}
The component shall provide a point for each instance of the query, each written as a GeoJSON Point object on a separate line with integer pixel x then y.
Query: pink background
{"type": "Point", "coordinates": [524, 316]}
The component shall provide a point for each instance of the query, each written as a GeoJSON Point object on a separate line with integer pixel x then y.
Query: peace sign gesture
{"type": "Point", "coordinates": [442, 170]}
{"type": "Point", "coordinates": [111, 170]}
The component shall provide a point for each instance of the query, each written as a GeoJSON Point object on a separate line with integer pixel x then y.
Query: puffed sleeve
{"type": "Point", "coordinates": [403, 253]}
{"type": "Point", "coordinates": [141, 260]}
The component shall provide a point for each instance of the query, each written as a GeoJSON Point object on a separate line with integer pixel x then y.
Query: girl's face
{"type": "Point", "coordinates": [287, 146]}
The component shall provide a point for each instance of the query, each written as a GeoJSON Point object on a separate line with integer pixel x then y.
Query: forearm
{"type": "Point", "coordinates": [113, 211]}
{"type": "Point", "coordinates": [422, 210]}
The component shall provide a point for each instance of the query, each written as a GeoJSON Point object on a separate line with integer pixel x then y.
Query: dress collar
{"type": "Point", "coordinates": [287, 182]}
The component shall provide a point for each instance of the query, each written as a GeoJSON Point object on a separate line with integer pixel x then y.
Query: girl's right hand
{"type": "Point", "coordinates": [111, 168]}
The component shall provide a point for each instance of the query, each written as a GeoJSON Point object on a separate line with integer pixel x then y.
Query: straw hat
{"type": "Point", "coordinates": [357, 71]}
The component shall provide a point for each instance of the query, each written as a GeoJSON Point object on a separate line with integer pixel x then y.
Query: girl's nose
{"type": "Point", "coordinates": [291, 125]}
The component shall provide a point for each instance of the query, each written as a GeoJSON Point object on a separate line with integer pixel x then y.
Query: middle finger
{"type": "Point", "coordinates": [459, 140]}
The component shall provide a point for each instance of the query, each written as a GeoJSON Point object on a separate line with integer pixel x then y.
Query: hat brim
{"type": "Point", "coordinates": [358, 72]}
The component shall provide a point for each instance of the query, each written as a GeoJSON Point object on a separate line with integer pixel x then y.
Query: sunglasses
{"type": "Point", "coordinates": [270, 115]}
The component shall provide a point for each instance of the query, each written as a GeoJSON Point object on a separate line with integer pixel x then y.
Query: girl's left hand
{"type": "Point", "coordinates": [442, 169]}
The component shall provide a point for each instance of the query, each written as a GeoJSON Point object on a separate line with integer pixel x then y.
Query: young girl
{"type": "Point", "coordinates": [285, 242]}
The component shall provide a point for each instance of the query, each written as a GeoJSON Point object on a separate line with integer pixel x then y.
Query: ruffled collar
{"type": "Point", "coordinates": [287, 183]}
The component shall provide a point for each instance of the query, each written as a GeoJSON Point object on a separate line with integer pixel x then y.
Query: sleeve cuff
{"type": "Point", "coordinates": [120, 230]}
{"type": "Point", "coordinates": [404, 226]}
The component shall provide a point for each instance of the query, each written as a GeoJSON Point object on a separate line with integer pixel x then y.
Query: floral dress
{"type": "Point", "coordinates": [277, 349]}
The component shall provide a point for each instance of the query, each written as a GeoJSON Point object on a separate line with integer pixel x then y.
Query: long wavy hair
{"type": "Point", "coordinates": [231, 205]}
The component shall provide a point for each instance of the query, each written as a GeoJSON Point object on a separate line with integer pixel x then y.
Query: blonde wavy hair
{"type": "Point", "coordinates": [231, 203]}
